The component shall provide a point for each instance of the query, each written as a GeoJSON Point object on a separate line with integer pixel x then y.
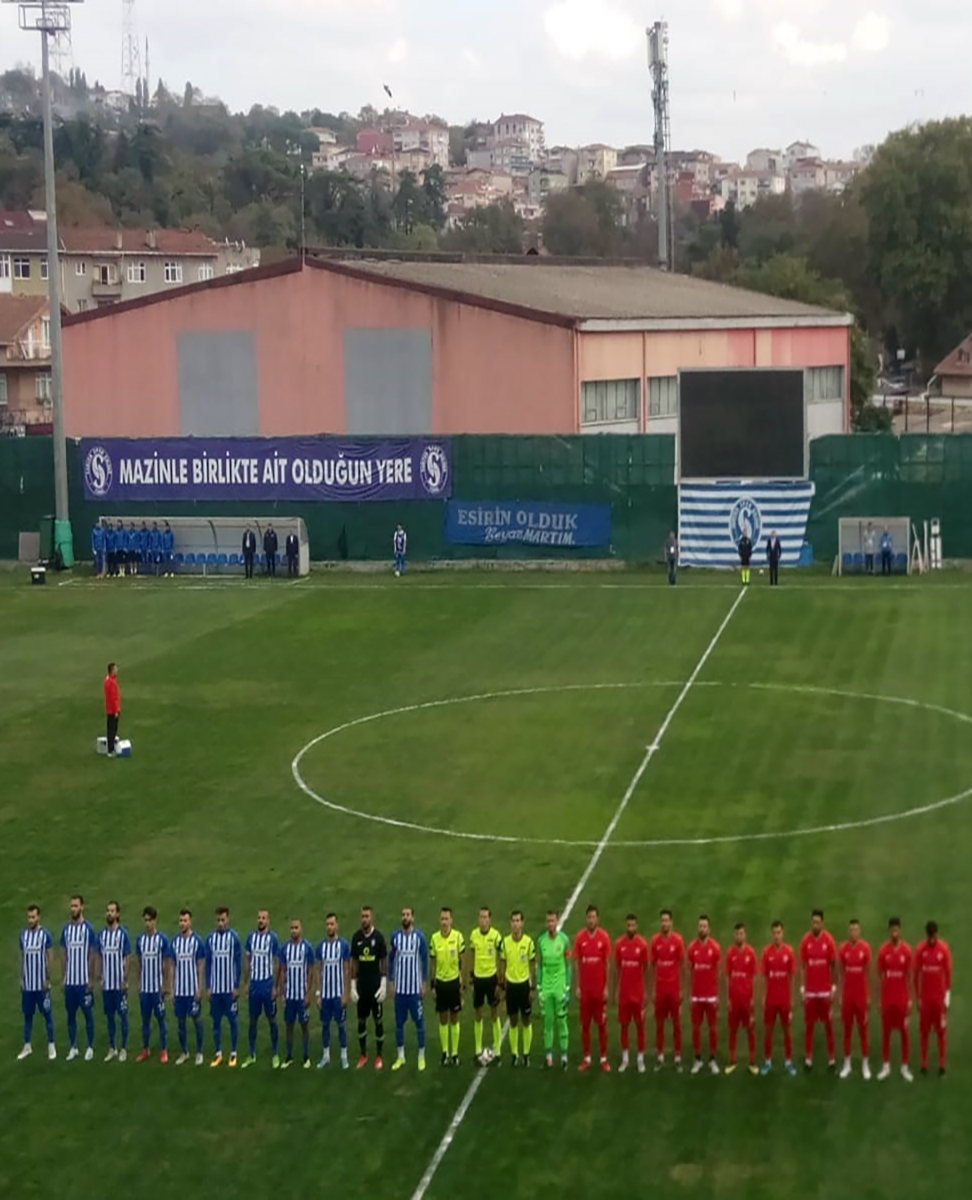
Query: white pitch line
{"type": "Point", "coordinates": [460, 1114]}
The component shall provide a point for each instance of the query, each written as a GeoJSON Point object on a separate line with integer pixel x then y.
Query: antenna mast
{"type": "Point", "coordinates": [131, 59]}
{"type": "Point", "coordinates": [658, 67]}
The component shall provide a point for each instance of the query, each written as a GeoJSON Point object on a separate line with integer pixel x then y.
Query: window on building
{"type": "Point", "coordinates": [44, 270]}
{"type": "Point", "coordinates": [46, 332]}
{"type": "Point", "coordinates": [4, 266]}
{"type": "Point", "coordinates": [3, 388]}
{"type": "Point", "coordinates": [136, 272]}
{"type": "Point", "coordinates": [205, 272]}
{"type": "Point", "coordinates": [80, 267]}
{"type": "Point", "coordinates": [82, 306]}
{"type": "Point", "coordinates": [21, 266]}
{"type": "Point", "coordinates": [663, 396]}
{"type": "Point", "coordinates": [104, 274]}
{"type": "Point", "coordinates": [173, 272]}
{"type": "Point", "coordinates": [233, 268]}
{"type": "Point", "coordinates": [609, 400]}
{"type": "Point", "coordinates": [42, 387]}
{"type": "Point", "coordinates": [824, 383]}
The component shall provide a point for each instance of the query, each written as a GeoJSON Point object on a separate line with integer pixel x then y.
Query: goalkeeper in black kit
{"type": "Point", "coordinates": [745, 548]}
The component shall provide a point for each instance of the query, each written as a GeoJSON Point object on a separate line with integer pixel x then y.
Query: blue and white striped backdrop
{"type": "Point", "coordinates": [711, 518]}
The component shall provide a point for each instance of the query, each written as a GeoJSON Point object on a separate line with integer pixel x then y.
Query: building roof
{"type": "Point", "coordinates": [579, 294]}
{"type": "Point", "coordinates": [136, 241]}
{"type": "Point", "coordinates": [959, 362]}
{"type": "Point", "coordinates": [517, 117]}
{"type": "Point", "coordinates": [16, 313]}
{"type": "Point", "coordinates": [20, 231]}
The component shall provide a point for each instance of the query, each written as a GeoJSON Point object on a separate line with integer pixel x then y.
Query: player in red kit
{"type": "Point", "coordinates": [666, 955]}
{"type": "Point", "coordinates": [741, 964]}
{"type": "Point", "coordinates": [630, 970]}
{"type": "Point", "coordinates": [933, 987]}
{"type": "Point", "coordinates": [704, 958]}
{"type": "Point", "coordinates": [777, 967]}
{"type": "Point", "coordinates": [818, 987]}
{"type": "Point", "coordinates": [894, 971]}
{"type": "Point", "coordinates": [854, 969]}
{"type": "Point", "coordinates": [592, 954]}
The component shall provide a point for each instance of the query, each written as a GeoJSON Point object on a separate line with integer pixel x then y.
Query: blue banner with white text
{"type": "Point", "coordinates": [500, 522]}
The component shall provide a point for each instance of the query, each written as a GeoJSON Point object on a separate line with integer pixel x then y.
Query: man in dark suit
{"type": "Point", "coordinates": [270, 545]}
{"type": "Point", "coordinates": [292, 550]}
{"type": "Point", "coordinates": [774, 552]}
{"type": "Point", "coordinates": [249, 551]}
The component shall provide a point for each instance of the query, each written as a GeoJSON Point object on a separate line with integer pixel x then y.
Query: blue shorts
{"type": "Point", "coordinates": [77, 996]}
{"type": "Point", "coordinates": [408, 1006]}
{"type": "Point", "coordinates": [151, 1004]}
{"type": "Point", "coordinates": [295, 1012]}
{"type": "Point", "coordinates": [223, 1006]}
{"type": "Point", "coordinates": [333, 1010]}
{"type": "Point", "coordinates": [185, 1007]}
{"type": "Point", "coordinates": [115, 1002]}
{"type": "Point", "coordinates": [32, 1002]}
{"type": "Point", "coordinates": [261, 1002]}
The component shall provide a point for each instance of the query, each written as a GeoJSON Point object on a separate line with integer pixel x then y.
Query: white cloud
{"type": "Point", "coordinates": [872, 33]}
{"type": "Point", "coordinates": [730, 10]}
{"type": "Point", "coordinates": [398, 52]}
{"type": "Point", "coordinates": [598, 28]}
{"type": "Point", "coordinates": [788, 39]}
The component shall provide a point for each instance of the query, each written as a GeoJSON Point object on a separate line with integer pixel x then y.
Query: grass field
{"type": "Point", "coordinates": [791, 724]}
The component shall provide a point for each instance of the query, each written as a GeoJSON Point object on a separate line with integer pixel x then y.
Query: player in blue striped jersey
{"type": "Point", "coordinates": [408, 970]}
{"type": "Point", "coordinates": [259, 971]}
{"type": "Point", "coordinates": [79, 943]}
{"type": "Point", "coordinates": [152, 948]}
{"type": "Point", "coordinates": [116, 949]}
{"type": "Point", "coordinates": [295, 976]}
{"type": "Point", "coordinates": [224, 964]}
{"type": "Point", "coordinates": [35, 980]}
{"type": "Point", "coordinates": [333, 957]}
{"type": "Point", "coordinates": [188, 954]}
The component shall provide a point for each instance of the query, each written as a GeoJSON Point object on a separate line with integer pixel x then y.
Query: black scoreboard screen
{"type": "Point", "coordinates": [741, 424]}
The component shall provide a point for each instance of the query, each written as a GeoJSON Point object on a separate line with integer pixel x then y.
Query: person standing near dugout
{"type": "Point", "coordinates": [112, 705]}
{"type": "Point", "coordinates": [745, 548]}
{"type": "Point", "coordinates": [774, 552]}
{"type": "Point", "coordinates": [671, 557]}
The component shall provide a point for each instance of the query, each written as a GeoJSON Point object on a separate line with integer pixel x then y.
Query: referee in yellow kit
{"type": "Point", "coordinates": [483, 955]}
{"type": "Point", "coordinates": [446, 946]}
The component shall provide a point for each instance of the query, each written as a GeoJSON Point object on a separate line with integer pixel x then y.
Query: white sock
{"type": "Point", "coordinates": [401, 1053]}
{"type": "Point", "coordinates": [624, 1056]}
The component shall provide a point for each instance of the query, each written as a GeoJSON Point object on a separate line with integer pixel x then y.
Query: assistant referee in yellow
{"type": "Point", "coordinates": [446, 947]}
{"type": "Point", "coordinates": [483, 951]}
{"type": "Point", "coordinates": [518, 979]}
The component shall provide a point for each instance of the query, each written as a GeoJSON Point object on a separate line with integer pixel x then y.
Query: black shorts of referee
{"type": "Point", "coordinates": [448, 996]}
{"type": "Point", "coordinates": [518, 1003]}
{"type": "Point", "coordinates": [484, 991]}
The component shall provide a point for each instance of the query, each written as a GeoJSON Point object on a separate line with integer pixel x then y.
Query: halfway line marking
{"type": "Point", "coordinates": [460, 1113]}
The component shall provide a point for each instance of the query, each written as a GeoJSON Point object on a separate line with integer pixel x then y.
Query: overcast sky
{"type": "Point", "coordinates": [744, 73]}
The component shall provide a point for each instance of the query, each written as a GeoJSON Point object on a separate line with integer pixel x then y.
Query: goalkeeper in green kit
{"type": "Point", "coordinates": [553, 986]}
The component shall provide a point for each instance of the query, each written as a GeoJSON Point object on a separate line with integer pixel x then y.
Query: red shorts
{"type": "Point", "coordinates": [932, 1014]}
{"type": "Point", "coordinates": [630, 1010]}
{"type": "Point", "coordinates": [741, 1015]}
{"type": "Point", "coordinates": [593, 1008]}
{"type": "Point", "coordinates": [773, 1012]}
{"type": "Point", "coordinates": [668, 1005]}
{"type": "Point", "coordinates": [852, 1011]}
{"type": "Point", "coordinates": [704, 1010]}
{"type": "Point", "coordinates": [894, 1016]}
{"type": "Point", "coordinates": [818, 1008]}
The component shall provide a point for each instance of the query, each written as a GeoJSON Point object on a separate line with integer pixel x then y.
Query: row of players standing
{"type": "Point", "coordinates": [120, 551]}
{"type": "Point", "coordinates": [271, 546]}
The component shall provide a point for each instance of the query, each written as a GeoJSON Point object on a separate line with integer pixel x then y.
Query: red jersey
{"type": "Point", "coordinates": [933, 971]}
{"type": "Point", "coordinates": [893, 964]}
{"type": "Point", "coordinates": [855, 959]}
{"type": "Point", "coordinates": [740, 969]}
{"type": "Point", "coordinates": [112, 696]}
{"type": "Point", "coordinates": [592, 953]}
{"type": "Point", "coordinates": [818, 952]}
{"type": "Point", "coordinates": [667, 954]}
{"type": "Point", "coordinates": [631, 958]}
{"type": "Point", "coordinates": [778, 966]}
{"type": "Point", "coordinates": [704, 959]}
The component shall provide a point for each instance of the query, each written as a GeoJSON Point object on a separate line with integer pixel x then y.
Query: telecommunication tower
{"type": "Point", "coordinates": [658, 67]}
{"type": "Point", "coordinates": [131, 58]}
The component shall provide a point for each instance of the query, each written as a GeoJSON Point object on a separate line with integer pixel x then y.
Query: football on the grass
{"type": "Point", "coordinates": [486, 1057]}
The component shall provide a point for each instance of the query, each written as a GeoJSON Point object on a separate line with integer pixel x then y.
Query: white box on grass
{"type": "Point", "coordinates": [101, 745]}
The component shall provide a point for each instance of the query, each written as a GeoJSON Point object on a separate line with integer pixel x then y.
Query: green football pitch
{"type": "Point", "coordinates": [484, 733]}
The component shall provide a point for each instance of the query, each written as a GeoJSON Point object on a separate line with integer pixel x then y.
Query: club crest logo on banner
{"type": "Point", "coordinates": [98, 471]}
{"type": "Point", "coordinates": [745, 518]}
{"type": "Point", "coordinates": [434, 469]}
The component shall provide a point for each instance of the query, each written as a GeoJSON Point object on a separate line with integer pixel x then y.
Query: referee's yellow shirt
{"type": "Point", "coordinates": [447, 952]}
{"type": "Point", "coordinates": [486, 951]}
{"type": "Point", "coordinates": [518, 955]}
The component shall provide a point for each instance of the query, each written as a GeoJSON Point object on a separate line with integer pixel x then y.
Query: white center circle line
{"type": "Point", "coordinates": [715, 840]}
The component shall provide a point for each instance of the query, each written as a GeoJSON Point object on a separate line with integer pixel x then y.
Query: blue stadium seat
{"type": "Point", "coordinates": [234, 560]}
{"type": "Point", "coordinates": [190, 560]}
{"type": "Point", "coordinates": [178, 559]}
{"type": "Point", "coordinates": [847, 560]}
{"type": "Point", "coordinates": [901, 562]}
{"type": "Point", "coordinates": [222, 560]}
{"type": "Point", "coordinates": [858, 562]}
{"type": "Point", "coordinates": [211, 560]}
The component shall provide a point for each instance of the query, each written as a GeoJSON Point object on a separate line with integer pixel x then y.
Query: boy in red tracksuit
{"type": "Point", "coordinates": [933, 987]}
{"type": "Point", "coordinates": [592, 953]}
{"type": "Point", "coordinates": [112, 705]}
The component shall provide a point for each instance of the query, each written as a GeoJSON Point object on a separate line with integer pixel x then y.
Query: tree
{"type": "Point", "coordinates": [410, 204]}
{"type": "Point", "coordinates": [917, 194]}
{"type": "Point", "coordinates": [436, 196]}
{"type": "Point", "coordinates": [491, 229]}
{"type": "Point", "coordinates": [187, 96]}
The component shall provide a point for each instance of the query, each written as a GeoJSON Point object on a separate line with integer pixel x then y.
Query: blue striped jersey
{"type": "Point", "coordinates": [224, 960]}
{"type": "Point", "coordinates": [152, 950]}
{"type": "Point", "coordinates": [78, 939]}
{"type": "Point", "coordinates": [401, 541]}
{"type": "Point", "coordinates": [408, 961]}
{"type": "Point", "coordinates": [332, 954]}
{"type": "Point", "coordinates": [263, 949]}
{"type": "Point", "coordinates": [186, 950]}
{"type": "Point", "coordinates": [34, 945]}
{"type": "Point", "coordinates": [115, 948]}
{"type": "Point", "coordinates": [297, 958]}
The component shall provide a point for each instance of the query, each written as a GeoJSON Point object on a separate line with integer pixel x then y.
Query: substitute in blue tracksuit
{"type": "Point", "coordinates": [143, 549]}
{"type": "Point", "coordinates": [887, 552]}
{"type": "Point", "coordinates": [400, 549]}
{"type": "Point", "coordinates": [168, 547]}
{"type": "Point", "coordinates": [155, 548]}
{"type": "Point", "coordinates": [98, 549]}
{"type": "Point", "coordinates": [133, 547]}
